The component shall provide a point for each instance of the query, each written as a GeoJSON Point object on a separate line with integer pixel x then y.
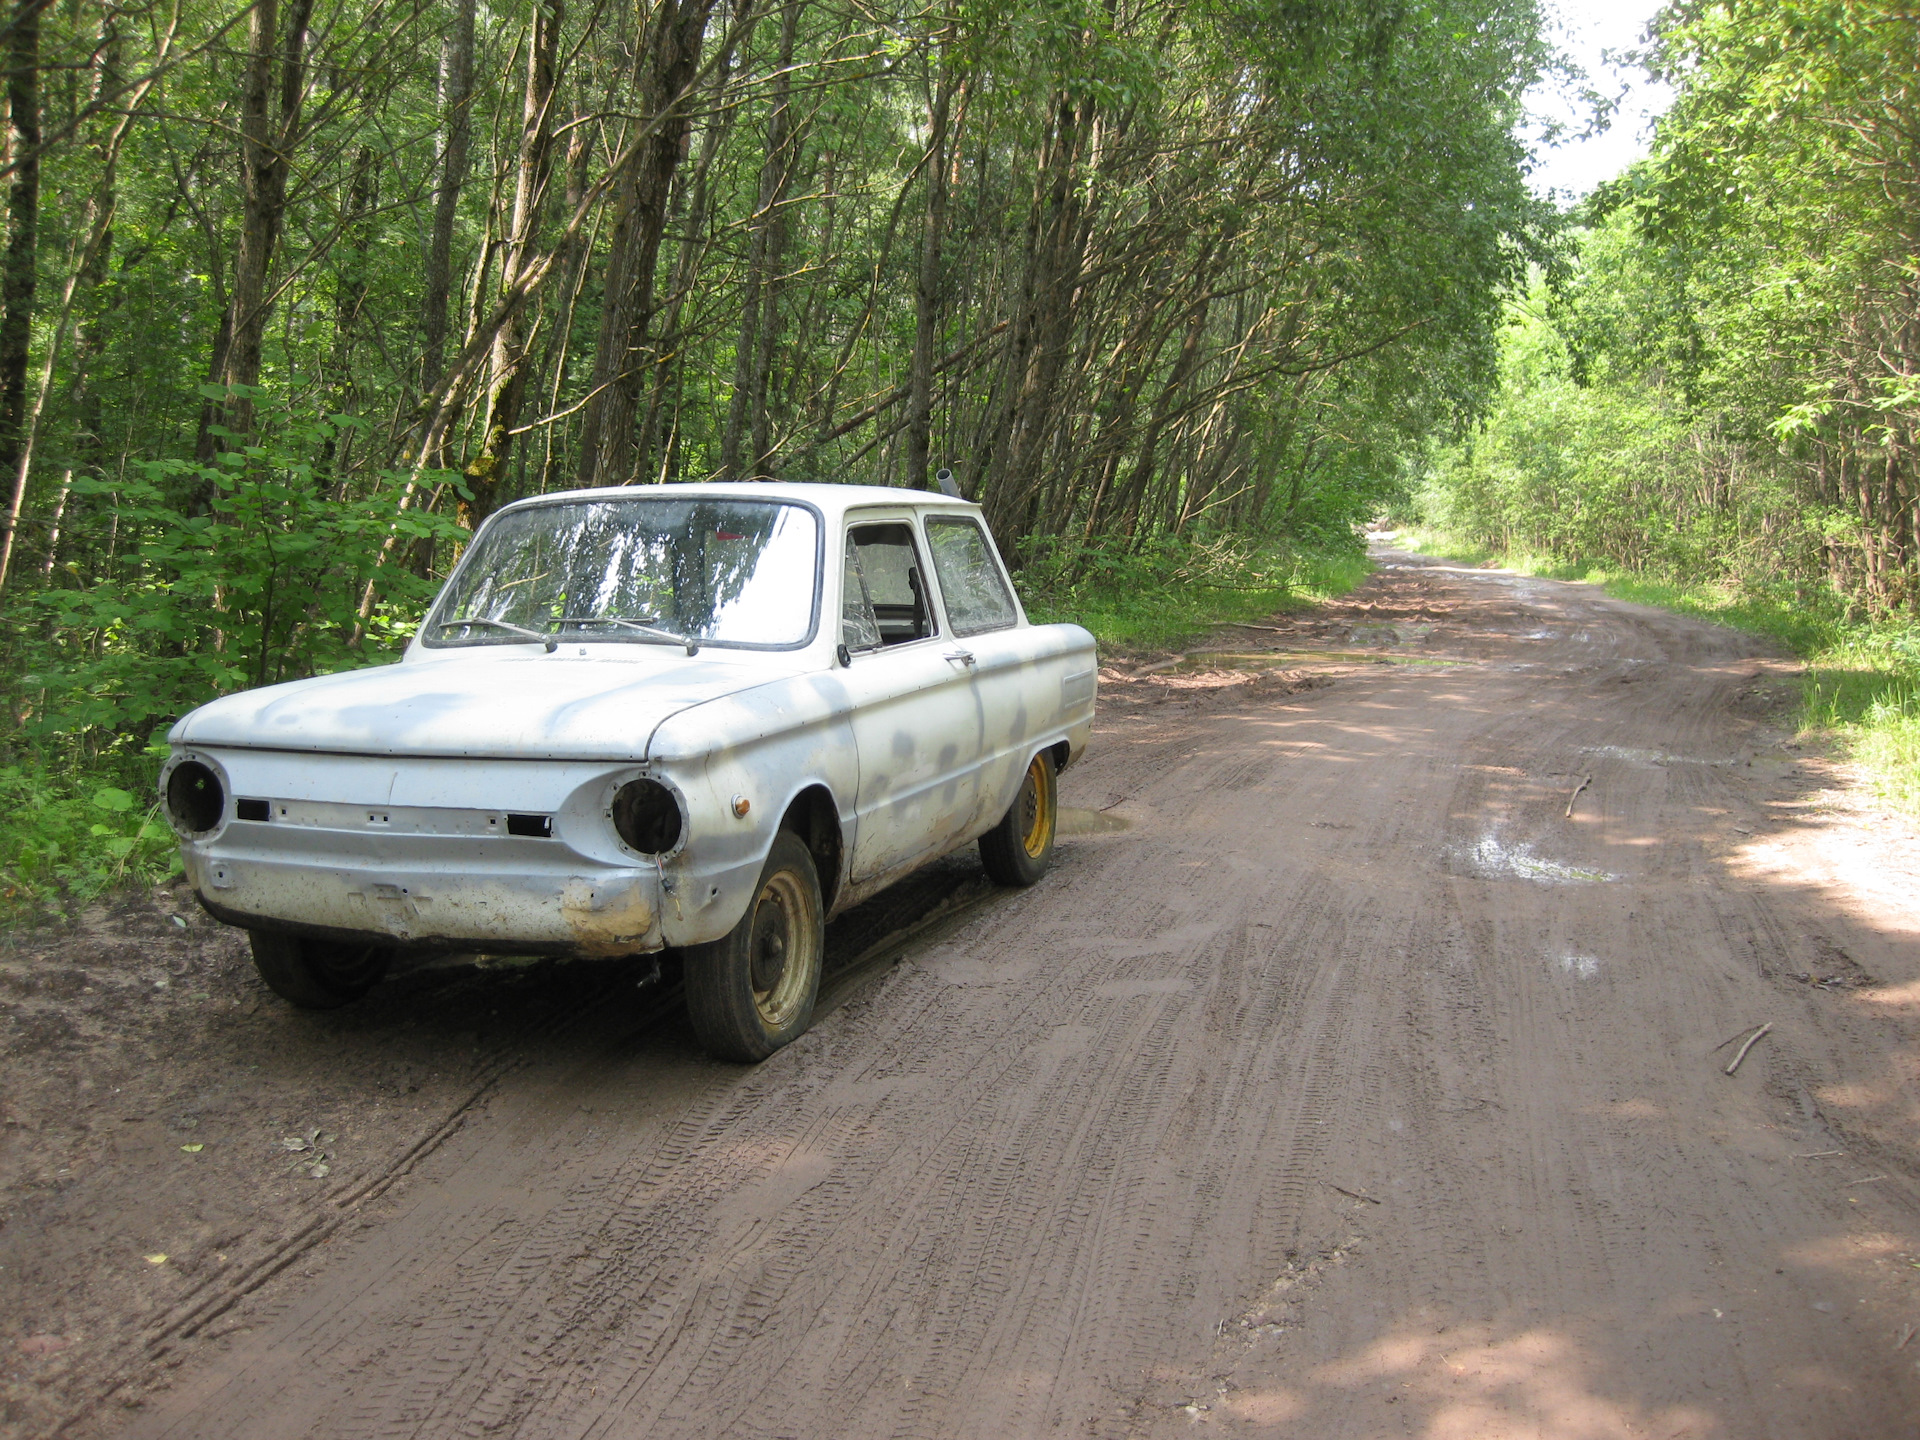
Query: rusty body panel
{"type": "Point", "coordinates": [464, 798]}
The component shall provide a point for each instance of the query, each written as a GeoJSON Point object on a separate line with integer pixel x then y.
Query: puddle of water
{"type": "Point", "coordinates": [1490, 859]}
{"type": "Point", "coordinates": [1087, 822]}
{"type": "Point", "coordinates": [1581, 967]}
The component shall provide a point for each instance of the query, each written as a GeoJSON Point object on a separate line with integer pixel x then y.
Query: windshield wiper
{"type": "Point", "coordinates": [693, 645]}
{"type": "Point", "coordinates": [545, 639]}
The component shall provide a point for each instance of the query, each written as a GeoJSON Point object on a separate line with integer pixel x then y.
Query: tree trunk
{"type": "Point", "coordinates": [349, 299]}
{"type": "Point", "coordinates": [267, 139]}
{"type": "Point", "coordinates": [20, 280]}
{"type": "Point", "coordinates": [752, 365]}
{"type": "Point", "coordinates": [656, 428]}
{"type": "Point", "coordinates": [667, 64]}
{"type": "Point", "coordinates": [456, 138]}
{"type": "Point", "coordinates": [926, 290]}
{"type": "Point", "coordinates": [1044, 326]}
{"type": "Point", "coordinates": [508, 384]}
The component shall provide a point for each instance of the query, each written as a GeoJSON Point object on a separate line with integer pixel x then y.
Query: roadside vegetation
{"type": "Point", "coordinates": [1165, 597]}
{"type": "Point", "coordinates": [1716, 406]}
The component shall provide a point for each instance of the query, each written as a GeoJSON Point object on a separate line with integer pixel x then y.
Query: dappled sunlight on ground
{"type": "Point", "coordinates": [1539, 1382]}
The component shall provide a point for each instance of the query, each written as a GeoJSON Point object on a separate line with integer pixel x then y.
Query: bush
{"type": "Point", "coordinates": [243, 572]}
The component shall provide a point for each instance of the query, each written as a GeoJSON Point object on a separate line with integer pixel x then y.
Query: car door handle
{"type": "Point", "coordinates": [965, 657]}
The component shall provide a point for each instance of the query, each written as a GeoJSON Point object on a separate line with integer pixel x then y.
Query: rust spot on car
{"type": "Point", "coordinates": [607, 920]}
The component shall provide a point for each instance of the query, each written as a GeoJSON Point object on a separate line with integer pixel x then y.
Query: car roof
{"type": "Point", "coordinates": [827, 498]}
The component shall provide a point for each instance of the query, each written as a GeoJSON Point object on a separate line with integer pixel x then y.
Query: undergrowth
{"type": "Point", "coordinates": [1862, 685]}
{"type": "Point", "coordinates": [70, 833]}
{"type": "Point", "coordinates": [1164, 596]}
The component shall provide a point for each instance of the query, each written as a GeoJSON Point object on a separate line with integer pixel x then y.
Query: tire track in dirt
{"type": "Point", "coordinates": [1087, 1158]}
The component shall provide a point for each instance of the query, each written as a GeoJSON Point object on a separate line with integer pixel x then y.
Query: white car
{"type": "Point", "coordinates": [705, 717]}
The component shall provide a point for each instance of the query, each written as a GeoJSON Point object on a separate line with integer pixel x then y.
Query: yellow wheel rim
{"type": "Point", "coordinates": [1036, 809]}
{"type": "Point", "coordinates": [783, 951]}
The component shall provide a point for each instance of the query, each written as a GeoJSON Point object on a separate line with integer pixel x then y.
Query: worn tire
{"type": "Point", "coordinates": [753, 992]}
{"type": "Point", "coordinates": [1019, 849]}
{"type": "Point", "coordinates": [317, 974]}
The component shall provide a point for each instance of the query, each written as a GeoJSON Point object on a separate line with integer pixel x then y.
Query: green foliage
{"type": "Point", "coordinates": [1163, 597]}
{"type": "Point", "coordinates": [67, 838]}
{"type": "Point", "coordinates": [1720, 411]}
{"type": "Point", "coordinates": [246, 571]}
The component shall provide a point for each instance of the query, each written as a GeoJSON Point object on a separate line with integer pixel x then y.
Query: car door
{"type": "Point", "coordinates": [983, 619]}
{"type": "Point", "coordinates": [916, 724]}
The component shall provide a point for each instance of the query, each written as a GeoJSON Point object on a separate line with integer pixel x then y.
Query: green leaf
{"type": "Point", "coordinates": [118, 801]}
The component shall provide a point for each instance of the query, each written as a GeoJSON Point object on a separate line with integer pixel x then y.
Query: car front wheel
{"type": "Point", "coordinates": [317, 974]}
{"type": "Point", "coordinates": [753, 992]}
{"type": "Point", "coordinates": [1018, 850]}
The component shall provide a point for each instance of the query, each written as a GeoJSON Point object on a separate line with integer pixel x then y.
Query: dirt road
{"type": "Point", "coordinates": [1342, 1081]}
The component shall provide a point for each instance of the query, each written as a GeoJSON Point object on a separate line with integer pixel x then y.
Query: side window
{"type": "Point", "coordinates": [883, 571]}
{"type": "Point", "coordinates": [977, 598]}
{"type": "Point", "coordinates": [858, 629]}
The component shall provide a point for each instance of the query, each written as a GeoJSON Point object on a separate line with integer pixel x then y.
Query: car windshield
{"type": "Point", "coordinates": [647, 571]}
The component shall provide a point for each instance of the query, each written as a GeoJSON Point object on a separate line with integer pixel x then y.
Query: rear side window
{"type": "Point", "coordinates": [977, 598]}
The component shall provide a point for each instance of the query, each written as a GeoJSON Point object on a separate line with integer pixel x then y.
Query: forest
{"type": "Point", "coordinates": [296, 293]}
{"type": "Point", "coordinates": [1716, 402]}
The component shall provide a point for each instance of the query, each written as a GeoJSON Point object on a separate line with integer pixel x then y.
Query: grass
{"type": "Point", "coordinates": [1862, 683]}
{"type": "Point", "coordinates": [1165, 598]}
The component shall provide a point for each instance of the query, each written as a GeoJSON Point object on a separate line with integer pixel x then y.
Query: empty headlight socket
{"type": "Point", "coordinates": [647, 817]}
{"type": "Point", "coordinates": [196, 798]}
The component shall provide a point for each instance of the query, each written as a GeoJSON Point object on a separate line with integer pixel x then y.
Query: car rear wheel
{"type": "Point", "coordinates": [753, 992]}
{"type": "Point", "coordinates": [317, 974]}
{"type": "Point", "coordinates": [1018, 850]}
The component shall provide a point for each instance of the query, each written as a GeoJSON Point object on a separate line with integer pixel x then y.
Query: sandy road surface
{"type": "Point", "coordinates": [1353, 1089]}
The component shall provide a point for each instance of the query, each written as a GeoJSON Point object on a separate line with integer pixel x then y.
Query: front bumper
{"type": "Point", "coordinates": [433, 903]}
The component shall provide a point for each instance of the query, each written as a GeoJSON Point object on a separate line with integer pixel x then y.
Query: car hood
{"type": "Point", "coordinates": [501, 707]}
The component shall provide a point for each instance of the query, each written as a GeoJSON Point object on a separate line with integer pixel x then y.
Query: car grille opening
{"type": "Point", "coordinates": [252, 810]}
{"type": "Point", "coordinates": [538, 827]}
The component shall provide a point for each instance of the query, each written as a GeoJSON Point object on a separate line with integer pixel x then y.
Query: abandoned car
{"type": "Point", "coordinates": [704, 717]}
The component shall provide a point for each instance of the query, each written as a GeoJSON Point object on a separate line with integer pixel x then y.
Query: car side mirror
{"type": "Point", "coordinates": [843, 655]}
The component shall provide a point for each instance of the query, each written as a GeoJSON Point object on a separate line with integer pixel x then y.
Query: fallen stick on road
{"type": "Point", "coordinates": [1819, 1154]}
{"type": "Point", "coordinates": [1585, 780]}
{"type": "Point", "coordinates": [1867, 1180]}
{"type": "Point", "coordinates": [1752, 1040]}
{"type": "Point", "coordinates": [1353, 1194]}
{"type": "Point", "coordinates": [1906, 1334]}
{"type": "Point", "coordinates": [1743, 1030]}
